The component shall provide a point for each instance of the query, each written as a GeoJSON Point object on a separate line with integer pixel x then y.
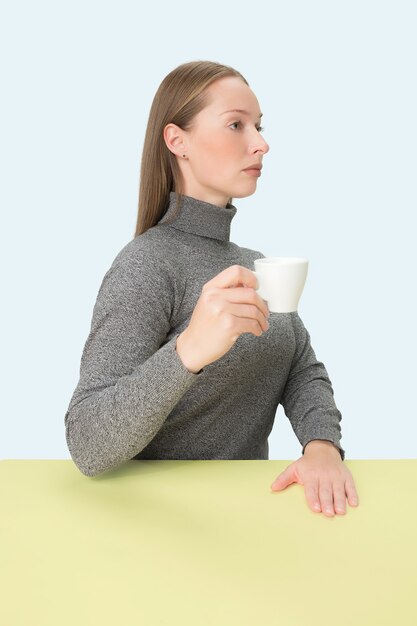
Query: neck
{"type": "Point", "coordinates": [199, 217]}
{"type": "Point", "coordinates": [217, 199]}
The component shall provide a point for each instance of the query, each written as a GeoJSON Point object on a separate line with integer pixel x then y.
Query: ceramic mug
{"type": "Point", "coordinates": [280, 281]}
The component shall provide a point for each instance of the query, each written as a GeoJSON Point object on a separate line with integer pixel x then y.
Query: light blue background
{"type": "Point", "coordinates": [337, 84]}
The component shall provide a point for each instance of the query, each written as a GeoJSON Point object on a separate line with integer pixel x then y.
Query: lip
{"type": "Point", "coordinates": [255, 166]}
{"type": "Point", "coordinates": [253, 171]}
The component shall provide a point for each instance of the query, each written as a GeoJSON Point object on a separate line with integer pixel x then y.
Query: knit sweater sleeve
{"type": "Point", "coordinates": [308, 398]}
{"type": "Point", "coordinates": [130, 380]}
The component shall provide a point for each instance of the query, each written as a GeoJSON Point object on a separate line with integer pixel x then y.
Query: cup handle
{"type": "Point", "coordinates": [258, 286]}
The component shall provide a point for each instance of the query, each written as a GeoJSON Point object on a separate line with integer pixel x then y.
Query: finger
{"type": "Point", "coordinates": [249, 311]}
{"type": "Point", "coordinates": [311, 490]}
{"type": "Point", "coordinates": [231, 276]}
{"type": "Point", "coordinates": [339, 498]}
{"type": "Point", "coordinates": [246, 295]}
{"type": "Point", "coordinates": [326, 498]}
{"type": "Point", "coordinates": [284, 479]}
{"type": "Point", "coordinates": [351, 493]}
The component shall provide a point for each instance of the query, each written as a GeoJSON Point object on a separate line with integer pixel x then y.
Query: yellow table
{"type": "Point", "coordinates": [203, 543]}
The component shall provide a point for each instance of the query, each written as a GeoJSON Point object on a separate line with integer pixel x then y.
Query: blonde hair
{"type": "Point", "coordinates": [179, 98]}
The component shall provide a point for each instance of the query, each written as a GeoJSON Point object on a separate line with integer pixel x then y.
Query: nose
{"type": "Point", "coordinates": [259, 145]}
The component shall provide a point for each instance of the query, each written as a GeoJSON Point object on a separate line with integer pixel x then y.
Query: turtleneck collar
{"type": "Point", "coordinates": [199, 217]}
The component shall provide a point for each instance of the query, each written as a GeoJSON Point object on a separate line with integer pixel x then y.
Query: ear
{"type": "Point", "coordinates": [175, 139]}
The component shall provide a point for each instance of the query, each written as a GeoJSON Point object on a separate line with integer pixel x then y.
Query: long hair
{"type": "Point", "coordinates": [179, 98]}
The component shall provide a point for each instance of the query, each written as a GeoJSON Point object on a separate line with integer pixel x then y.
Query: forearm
{"type": "Point", "coordinates": [312, 411]}
{"type": "Point", "coordinates": [110, 426]}
{"type": "Point", "coordinates": [308, 398]}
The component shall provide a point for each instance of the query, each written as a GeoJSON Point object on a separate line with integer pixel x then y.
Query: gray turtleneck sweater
{"type": "Point", "coordinates": [135, 399]}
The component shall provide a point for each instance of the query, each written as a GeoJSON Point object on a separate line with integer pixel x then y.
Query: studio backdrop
{"type": "Point", "coordinates": [336, 83]}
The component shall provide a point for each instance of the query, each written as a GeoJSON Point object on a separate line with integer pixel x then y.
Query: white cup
{"type": "Point", "coordinates": [280, 281]}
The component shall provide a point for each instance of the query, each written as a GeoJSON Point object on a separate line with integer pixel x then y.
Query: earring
{"type": "Point", "coordinates": [184, 155]}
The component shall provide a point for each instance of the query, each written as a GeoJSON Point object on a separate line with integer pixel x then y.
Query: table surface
{"type": "Point", "coordinates": [203, 543]}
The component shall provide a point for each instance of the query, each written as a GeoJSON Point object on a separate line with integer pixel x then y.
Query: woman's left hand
{"type": "Point", "coordinates": [326, 479]}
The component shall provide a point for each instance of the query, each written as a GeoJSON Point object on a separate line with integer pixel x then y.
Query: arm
{"type": "Point", "coordinates": [129, 379]}
{"type": "Point", "coordinates": [308, 399]}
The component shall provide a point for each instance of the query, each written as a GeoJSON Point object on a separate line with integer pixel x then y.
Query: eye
{"type": "Point", "coordinates": [260, 129]}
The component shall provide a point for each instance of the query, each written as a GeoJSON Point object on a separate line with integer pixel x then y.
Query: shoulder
{"type": "Point", "coordinates": [148, 254]}
{"type": "Point", "coordinates": [138, 249]}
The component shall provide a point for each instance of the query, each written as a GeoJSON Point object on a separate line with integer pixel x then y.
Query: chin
{"type": "Point", "coordinates": [243, 194]}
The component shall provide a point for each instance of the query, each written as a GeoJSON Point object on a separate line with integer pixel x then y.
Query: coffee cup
{"type": "Point", "coordinates": [280, 281]}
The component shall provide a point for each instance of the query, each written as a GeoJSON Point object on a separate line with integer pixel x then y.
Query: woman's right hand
{"type": "Point", "coordinates": [227, 307]}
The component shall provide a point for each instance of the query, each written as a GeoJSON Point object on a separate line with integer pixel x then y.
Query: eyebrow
{"type": "Point", "coordinates": [239, 111]}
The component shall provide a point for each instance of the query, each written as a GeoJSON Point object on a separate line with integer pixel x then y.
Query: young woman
{"type": "Point", "coordinates": [183, 360]}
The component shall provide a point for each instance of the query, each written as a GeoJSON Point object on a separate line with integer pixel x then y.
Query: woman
{"type": "Point", "coordinates": [183, 360]}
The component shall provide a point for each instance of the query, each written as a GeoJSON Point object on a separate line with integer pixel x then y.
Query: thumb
{"type": "Point", "coordinates": [284, 479]}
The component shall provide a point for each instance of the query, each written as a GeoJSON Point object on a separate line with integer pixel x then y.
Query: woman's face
{"type": "Point", "coordinates": [221, 144]}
